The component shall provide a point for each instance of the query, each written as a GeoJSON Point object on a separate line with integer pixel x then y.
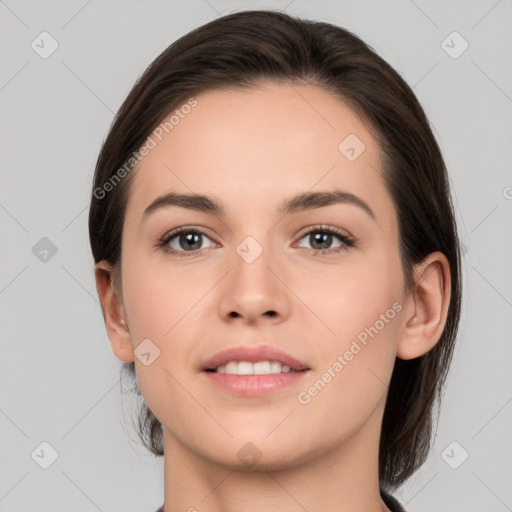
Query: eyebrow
{"type": "Point", "coordinates": [298, 203]}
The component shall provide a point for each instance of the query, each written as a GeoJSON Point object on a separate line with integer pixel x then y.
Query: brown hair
{"type": "Point", "coordinates": [241, 50]}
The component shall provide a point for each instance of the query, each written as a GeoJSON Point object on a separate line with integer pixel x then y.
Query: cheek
{"type": "Point", "coordinates": [362, 307]}
{"type": "Point", "coordinates": [157, 296]}
{"type": "Point", "coordinates": [351, 298]}
{"type": "Point", "coordinates": [355, 364]}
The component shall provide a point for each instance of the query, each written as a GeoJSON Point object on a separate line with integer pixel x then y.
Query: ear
{"type": "Point", "coordinates": [426, 307]}
{"type": "Point", "coordinates": [113, 312]}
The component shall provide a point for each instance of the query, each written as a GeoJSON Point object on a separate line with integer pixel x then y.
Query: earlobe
{"type": "Point", "coordinates": [113, 313]}
{"type": "Point", "coordinates": [427, 307]}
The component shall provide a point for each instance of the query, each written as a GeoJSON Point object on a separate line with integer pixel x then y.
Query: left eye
{"type": "Point", "coordinates": [322, 239]}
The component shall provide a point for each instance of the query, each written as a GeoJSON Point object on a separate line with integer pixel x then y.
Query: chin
{"type": "Point", "coordinates": [261, 455]}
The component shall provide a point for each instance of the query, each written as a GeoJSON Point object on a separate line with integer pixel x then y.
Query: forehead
{"type": "Point", "coordinates": [259, 146]}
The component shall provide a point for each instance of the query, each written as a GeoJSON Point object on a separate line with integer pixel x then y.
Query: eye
{"type": "Point", "coordinates": [183, 240]}
{"type": "Point", "coordinates": [189, 241]}
{"type": "Point", "coordinates": [321, 240]}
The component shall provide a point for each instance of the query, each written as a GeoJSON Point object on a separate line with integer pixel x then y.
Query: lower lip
{"type": "Point", "coordinates": [253, 385]}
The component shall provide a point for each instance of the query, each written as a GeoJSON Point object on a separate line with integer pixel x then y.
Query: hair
{"type": "Point", "coordinates": [243, 50]}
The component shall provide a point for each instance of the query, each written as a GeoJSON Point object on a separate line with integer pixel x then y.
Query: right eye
{"type": "Point", "coordinates": [182, 241]}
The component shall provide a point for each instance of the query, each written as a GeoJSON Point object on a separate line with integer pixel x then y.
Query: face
{"type": "Point", "coordinates": [318, 279]}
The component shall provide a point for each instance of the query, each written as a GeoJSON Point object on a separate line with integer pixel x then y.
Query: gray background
{"type": "Point", "coordinates": [59, 380]}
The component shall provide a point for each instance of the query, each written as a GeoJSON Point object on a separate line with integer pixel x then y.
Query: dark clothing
{"type": "Point", "coordinates": [391, 502]}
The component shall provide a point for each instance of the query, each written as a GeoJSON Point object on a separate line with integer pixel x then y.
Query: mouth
{"type": "Point", "coordinates": [246, 360]}
{"type": "Point", "coordinates": [257, 368]}
{"type": "Point", "coordinates": [253, 371]}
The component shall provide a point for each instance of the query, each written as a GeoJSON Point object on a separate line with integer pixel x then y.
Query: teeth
{"type": "Point", "coordinates": [258, 368]}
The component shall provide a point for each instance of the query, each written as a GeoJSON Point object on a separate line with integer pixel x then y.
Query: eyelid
{"type": "Point", "coordinates": [186, 229]}
{"type": "Point", "coordinates": [326, 227]}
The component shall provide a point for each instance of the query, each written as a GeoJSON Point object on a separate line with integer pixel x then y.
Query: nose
{"type": "Point", "coordinates": [254, 291]}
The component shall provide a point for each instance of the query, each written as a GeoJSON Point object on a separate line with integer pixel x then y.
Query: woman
{"type": "Point", "coordinates": [278, 265]}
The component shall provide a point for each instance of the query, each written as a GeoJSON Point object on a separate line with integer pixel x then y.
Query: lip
{"type": "Point", "coordinates": [253, 385]}
{"type": "Point", "coordinates": [253, 354]}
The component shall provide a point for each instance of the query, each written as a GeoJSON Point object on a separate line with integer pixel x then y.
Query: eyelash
{"type": "Point", "coordinates": [346, 240]}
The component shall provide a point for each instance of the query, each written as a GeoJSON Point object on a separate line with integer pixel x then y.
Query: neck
{"type": "Point", "coordinates": [344, 478]}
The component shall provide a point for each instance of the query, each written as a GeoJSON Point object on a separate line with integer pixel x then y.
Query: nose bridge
{"type": "Point", "coordinates": [253, 289]}
{"type": "Point", "coordinates": [252, 262]}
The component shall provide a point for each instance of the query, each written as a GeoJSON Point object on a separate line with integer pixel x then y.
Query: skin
{"type": "Point", "coordinates": [251, 150]}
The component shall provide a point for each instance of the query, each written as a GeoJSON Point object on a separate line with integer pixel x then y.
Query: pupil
{"type": "Point", "coordinates": [191, 240]}
{"type": "Point", "coordinates": [323, 239]}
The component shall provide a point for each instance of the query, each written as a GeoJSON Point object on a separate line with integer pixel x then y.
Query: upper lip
{"type": "Point", "coordinates": [253, 354]}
